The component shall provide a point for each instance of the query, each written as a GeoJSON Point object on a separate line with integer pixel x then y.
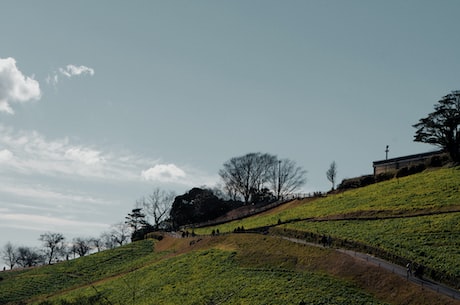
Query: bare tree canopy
{"type": "Point", "coordinates": [248, 175]}
{"type": "Point", "coordinates": [9, 254]}
{"type": "Point", "coordinates": [286, 177]}
{"type": "Point", "coordinates": [331, 173]}
{"type": "Point", "coordinates": [157, 206]}
{"type": "Point", "coordinates": [441, 127]}
{"type": "Point", "coordinates": [81, 246]}
{"type": "Point", "coordinates": [28, 257]}
{"type": "Point", "coordinates": [53, 243]}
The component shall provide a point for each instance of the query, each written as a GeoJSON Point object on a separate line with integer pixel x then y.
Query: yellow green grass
{"type": "Point", "coordinates": [433, 190]}
{"type": "Point", "coordinates": [231, 269]}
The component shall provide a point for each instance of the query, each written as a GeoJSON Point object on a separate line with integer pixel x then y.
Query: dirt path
{"type": "Point", "coordinates": [396, 269]}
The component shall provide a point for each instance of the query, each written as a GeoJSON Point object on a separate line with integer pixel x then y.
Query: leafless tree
{"type": "Point", "coordinates": [246, 174]}
{"type": "Point", "coordinates": [120, 233]}
{"type": "Point", "coordinates": [9, 254]}
{"type": "Point", "coordinates": [81, 245]}
{"type": "Point", "coordinates": [286, 177]}
{"type": "Point", "coordinates": [107, 240]}
{"type": "Point", "coordinates": [250, 174]}
{"type": "Point", "coordinates": [157, 205]}
{"type": "Point", "coordinates": [28, 257]}
{"type": "Point", "coordinates": [98, 243]}
{"type": "Point", "coordinates": [53, 243]}
{"type": "Point", "coordinates": [331, 174]}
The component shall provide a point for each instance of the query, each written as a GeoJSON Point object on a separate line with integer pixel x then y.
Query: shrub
{"type": "Point", "coordinates": [356, 182]}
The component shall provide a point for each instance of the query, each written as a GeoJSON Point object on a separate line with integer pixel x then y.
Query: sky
{"type": "Point", "coordinates": [103, 101]}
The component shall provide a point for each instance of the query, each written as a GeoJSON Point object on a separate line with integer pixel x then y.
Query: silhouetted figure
{"type": "Point", "coordinates": [408, 270]}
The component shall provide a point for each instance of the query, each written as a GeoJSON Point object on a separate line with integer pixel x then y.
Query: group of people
{"type": "Point", "coordinates": [417, 270]}
{"type": "Point", "coordinates": [326, 241]}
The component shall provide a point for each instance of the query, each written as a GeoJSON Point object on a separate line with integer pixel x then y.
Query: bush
{"type": "Point", "coordinates": [154, 235]}
{"type": "Point", "coordinates": [356, 182]}
{"type": "Point", "coordinates": [384, 176]}
{"type": "Point", "coordinates": [406, 171]}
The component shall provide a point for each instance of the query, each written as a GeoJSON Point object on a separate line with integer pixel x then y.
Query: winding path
{"type": "Point", "coordinates": [396, 269]}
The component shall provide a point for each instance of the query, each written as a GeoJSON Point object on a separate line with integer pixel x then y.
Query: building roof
{"type": "Point", "coordinates": [414, 157]}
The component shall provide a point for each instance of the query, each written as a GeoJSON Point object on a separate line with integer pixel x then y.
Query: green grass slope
{"type": "Point", "coordinates": [415, 217]}
{"type": "Point", "coordinates": [230, 269]}
{"type": "Point", "coordinates": [430, 191]}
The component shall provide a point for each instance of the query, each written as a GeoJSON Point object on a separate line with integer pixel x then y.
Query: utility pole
{"type": "Point", "coordinates": [279, 179]}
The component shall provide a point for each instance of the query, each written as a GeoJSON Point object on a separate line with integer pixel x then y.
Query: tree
{"type": "Point", "coordinates": [120, 233]}
{"type": "Point", "coordinates": [198, 205]}
{"type": "Point", "coordinates": [157, 205]}
{"type": "Point", "coordinates": [331, 174]}
{"type": "Point", "coordinates": [9, 254]}
{"type": "Point", "coordinates": [136, 219]}
{"type": "Point", "coordinates": [248, 173]}
{"type": "Point", "coordinates": [441, 127]}
{"type": "Point", "coordinates": [28, 257]}
{"type": "Point", "coordinates": [81, 246]}
{"type": "Point", "coordinates": [286, 177]}
{"type": "Point", "coordinates": [53, 243]}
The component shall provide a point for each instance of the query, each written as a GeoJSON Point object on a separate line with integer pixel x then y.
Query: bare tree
{"type": "Point", "coordinates": [81, 246]}
{"type": "Point", "coordinates": [107, 240]}
{"type": "Point", "coordinates": [157, 205]}
{"type": "Point", "coordinates": [53, 243]}
{"type": "Point", "coordinates": [286, 177]}
{"type": "Point", "coordinates": [331, 174]}
{"type": "Point", "coordinates": [9, 254]}
{"type": "Point", "coordinates": [247, 174]}
{"type": "Point", "coordinates": [120, 233]}
{"type": "Point", "coordinates": [28, 257]}
{"type": "Point", "coordinates": [98, 243]}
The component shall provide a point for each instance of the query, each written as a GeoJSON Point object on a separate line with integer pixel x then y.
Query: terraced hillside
{"type": "Point", "coordinates": [227, 269]}
{"type": "Point", "coordinates": [415, 218]}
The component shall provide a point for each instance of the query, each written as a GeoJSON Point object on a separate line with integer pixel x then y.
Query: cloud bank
{"type": "Point", "coordinates": [31, 153]}
{"type": "Point", "coordinates": [14, 86]}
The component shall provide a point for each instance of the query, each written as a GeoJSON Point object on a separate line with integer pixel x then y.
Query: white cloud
{"type": "Point", "coordinates": [46, 223]}
{"type": "Point", "coordinates": [84, 155]}
{"type": "Point", "coordinates": [72, 70]}
{"type": "Point", "coordinates": [40, 192]}
{"type": "Point", "coordinates": [5, 155]}
{"type": "Point", "coordinates": [163, 173]}
{"type": "Point", "coordinates": [14, 86]}
{"type": "Point", "coordinates": [34, 154]}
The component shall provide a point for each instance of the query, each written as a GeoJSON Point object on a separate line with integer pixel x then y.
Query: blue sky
{"type": "Point", "coordinates": [101, 101]}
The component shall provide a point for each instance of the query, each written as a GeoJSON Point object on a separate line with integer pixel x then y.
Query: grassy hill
{"type": "Point", "coordinates": [415, 217]}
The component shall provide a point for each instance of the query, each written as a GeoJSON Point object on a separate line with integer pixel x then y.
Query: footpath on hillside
{"type": "Point", "coordinates": [396, 269]}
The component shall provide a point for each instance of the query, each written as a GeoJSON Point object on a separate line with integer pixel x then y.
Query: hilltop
{"type": "Point", "coordinates": [414, 218]}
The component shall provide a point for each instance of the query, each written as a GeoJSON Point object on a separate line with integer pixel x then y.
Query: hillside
{"type": "Point", "coordinates": [415, 217]}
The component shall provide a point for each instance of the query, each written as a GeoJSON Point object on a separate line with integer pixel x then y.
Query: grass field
{"type": "Point", "coordinates": [231, 269]}
{"type": "Point", "coordinates": [433, 241]}
{"type": "Point", "coordinates": [417, 217]}
{"type": "Point", "coordinates": [434, 190]}
{"type": "Point", "coordinates": [426, 228]}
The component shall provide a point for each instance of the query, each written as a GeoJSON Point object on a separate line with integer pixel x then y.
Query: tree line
{"type": "Point", "coordinates": [55, 247]}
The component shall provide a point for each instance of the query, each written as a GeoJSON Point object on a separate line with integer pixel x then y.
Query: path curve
{"type": "Point", "coordinates": [396, 269]}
